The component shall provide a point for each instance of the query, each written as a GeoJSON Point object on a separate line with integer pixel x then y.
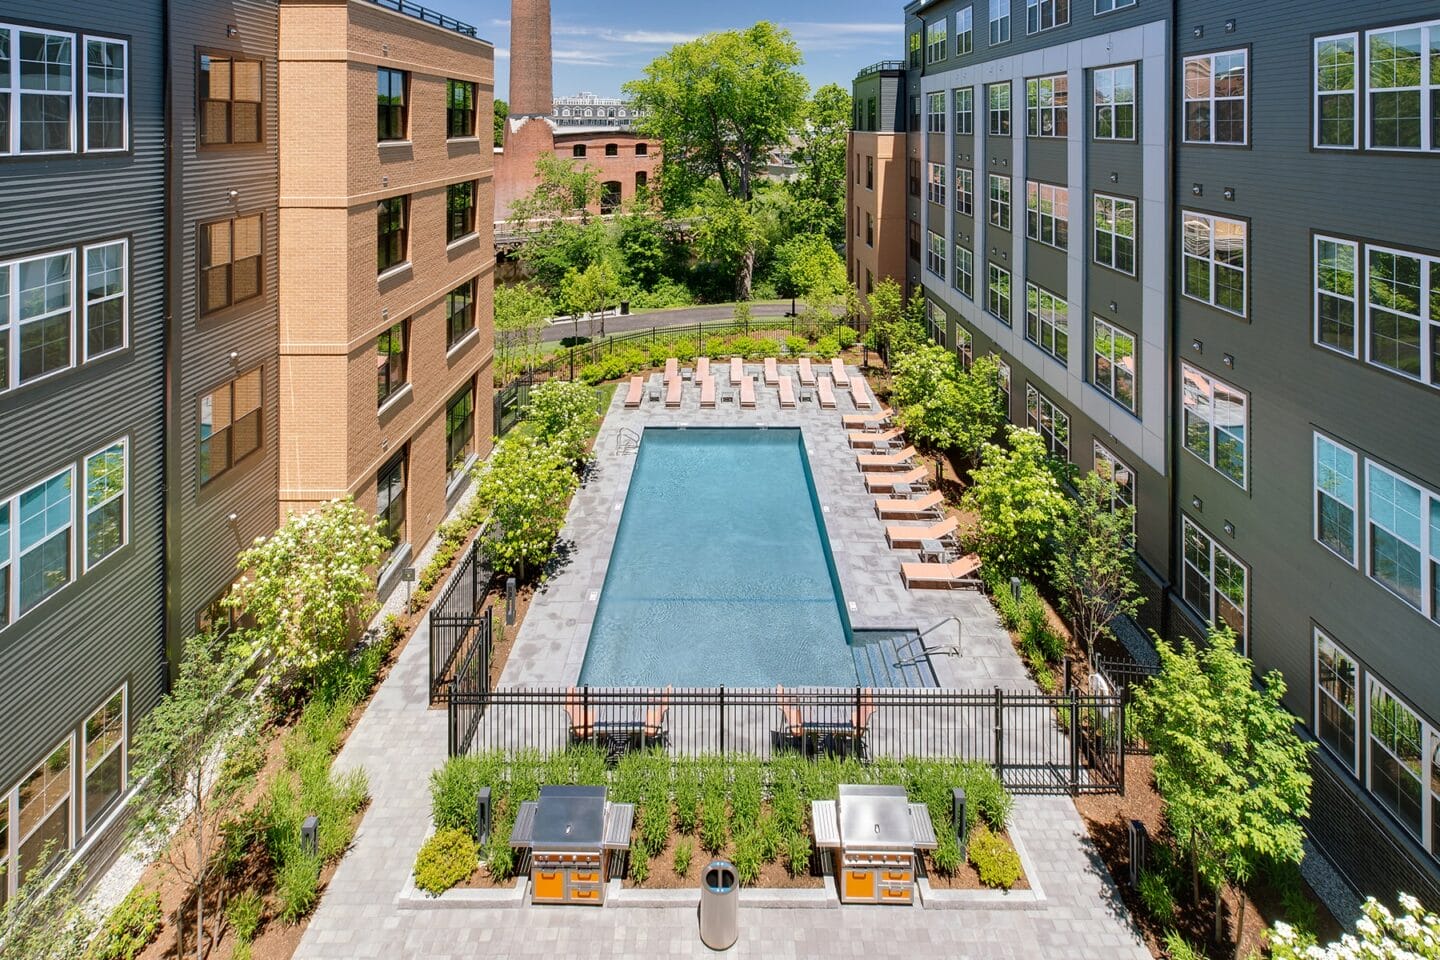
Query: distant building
{"type": "Point", "coordinates": [588, 110]}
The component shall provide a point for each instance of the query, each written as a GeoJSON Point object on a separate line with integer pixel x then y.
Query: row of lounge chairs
{"type": "Point", "coordinates": [705, 377]}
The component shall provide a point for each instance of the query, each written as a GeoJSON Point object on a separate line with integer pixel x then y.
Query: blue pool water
{"type": "Point", "coordinates": [721, 572]}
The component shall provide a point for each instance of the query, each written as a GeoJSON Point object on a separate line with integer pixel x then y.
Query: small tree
{"type": "Point", "coordinates": [1232, 772]}
{"type": "Point", "coordinates": [591, 290]}
{"type": "Point", "coordinates": [885, 305]}
{"type": "Point", "coordinates": [1094, 564]}
{"type": "Point", "coordinates": [178, 749]}
{"type": "Point", "coordinates": [981, 405]}
{"type": "Point", "coordinates": [807, 266]}
{"type": "Point", "coordinates": [46, 919]}
{"type": "Point", "coordinates": [1020, 505]}
{"type": "Point", "coordinates": [1379, 933]}
{"type": "Point", "coordinates": [563, 412]}
{"type": "Point", "coordinates": [310, 585]}
{"type": "Point", "coordinates": [520, 313]}
{"type": "Point", "coordinates": [526, 484]}
{"type": "Point", "coordinates": [925, 392]}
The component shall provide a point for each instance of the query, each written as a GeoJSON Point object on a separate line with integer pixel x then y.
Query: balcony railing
{"type": "Point", "coordinates": [428, 15]}
{"type": "Point", "coordinates": [881, 67]}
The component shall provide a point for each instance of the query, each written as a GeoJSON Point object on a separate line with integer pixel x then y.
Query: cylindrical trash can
{"type": "Point", "coordinates": [719, 905]}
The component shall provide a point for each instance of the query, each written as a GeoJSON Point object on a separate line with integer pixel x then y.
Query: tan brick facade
{"type": "Point", "coordinates": [334, 436]}
{"type": "Point", "coordinates": [875, 209]}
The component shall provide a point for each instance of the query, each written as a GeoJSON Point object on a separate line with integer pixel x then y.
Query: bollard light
{"type": "Point", "coordinates": [957, 813]}
{"type": "Point", "coordinates": [1015, 588]}
{"type": "Point", "coordinates": [510, 602]}
{"type": "Point", "coordinates": [482, 816]}
{"type": "Point", "coordinates": [310, 835]}
{"type": "Point", "coordinates": [1139, 850]}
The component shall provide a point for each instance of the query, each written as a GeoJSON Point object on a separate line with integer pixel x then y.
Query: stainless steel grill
{"type": "Point", "coordinates": [875, 831]}
{"type": "Point", "coordinates": [571, 833]}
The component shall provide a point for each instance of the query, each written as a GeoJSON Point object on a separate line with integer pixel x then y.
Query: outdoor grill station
{"type": "Point", "coordinates": [875, 833]}
{"type": "Point", "coordinates": [573, 835]}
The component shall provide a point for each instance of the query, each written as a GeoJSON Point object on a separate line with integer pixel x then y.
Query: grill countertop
{"type": "Point", "coordinates": [569, 818]}
{"type": "Point", "coordinates": [876, 818]}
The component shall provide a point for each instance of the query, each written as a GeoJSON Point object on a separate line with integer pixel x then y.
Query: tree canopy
{"type": "Point", "coordinates": [819, 156]}
{"type": "Point", "coordinates": [1019, 502]}
{"type": "Point", "coordinates": [807, 265]}
{"type": "Point", "coordinates": [1094, 566]}
{"type": "Point", "coordinates": [502, 113]}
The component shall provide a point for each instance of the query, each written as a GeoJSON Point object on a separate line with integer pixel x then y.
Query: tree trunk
{"type": "Point", "coordinates": [1194, 870]}
{"type": "Point", "coordinates": [1219, 913]}
{"type": "Point", "coordinates": [747, 274]}
{"type": "Point", "coordinates": [1240, 923]}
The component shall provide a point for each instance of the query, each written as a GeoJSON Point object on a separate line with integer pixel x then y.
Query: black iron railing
{"type": "Point", "coordinates": [455, 617]}
{"type": "Point", "coordinates": [1037, 743]}
{"type": "Point", "coordinates": [1123, 675]}
{"type": "Point", "coordinates": [428, 15]}
{"type": "Point", "coordinates": [566, 362]}
{"type": "Point", "coordinates": [880, 67]}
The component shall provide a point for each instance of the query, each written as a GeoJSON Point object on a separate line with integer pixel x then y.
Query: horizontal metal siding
{"type": "Point", "coordinates": [64, 658]}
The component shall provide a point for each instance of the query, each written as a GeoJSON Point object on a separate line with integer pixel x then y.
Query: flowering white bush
{"type": "Point", "coordinates": [563, 413]}
{"type": "Point", "coordinates": [1413, 935]}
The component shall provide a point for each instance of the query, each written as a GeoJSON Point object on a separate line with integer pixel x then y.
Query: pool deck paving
{"type": "Point", "coordinates": [399, 741]}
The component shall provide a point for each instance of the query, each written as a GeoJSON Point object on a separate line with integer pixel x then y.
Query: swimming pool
{"type": "Point", "coordinates": [721, 571]}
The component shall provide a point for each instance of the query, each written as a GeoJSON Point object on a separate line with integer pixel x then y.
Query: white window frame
{"type": "Point", "coordinates": [964, 27]}
{"type": "Point", "coordinates": [1356, 275]}
{"type": "Point", "coordinates": [935, 253]}
{"type": "Point", "coordinates": [997, 201]}
{"type": "Point", "coordinates": [965, 95]}
{"type": "Point", "coordinates": [11, 797]}
{"type": "Point", "coordinates": [1321, 492]}
{"type": "Point", "coordinates": [1211, 99]}
{"type": "Point", "coordinates": [1428, 739]}
{"type": "Point", "coordinates": [965, 265]}
{"type": "Point", "coordinates": [17, 95]}
{"type": "Point", "coordinates": [18, 555]}
{"type": "Point", "coordinates": [1037, 408]}
{"type": "Point", "coordinates": [965, 191]}
{"type": "Point", "coordinates": [123, 296]}
{"type": "Point", "coordinates": [86, 509]}
{"type": "Point", "coordinates": [992, 297]}
{"type": "Point", "coordinates": [964, 347]}
{"type": "Point", "coordinates": [1109, 389]}
{"type": "Point", "coordinates": [935, 118]}
{"type": "Point", "coordinates": [1004, 370]}
{"type": "Point", "coordinates": [123, 96]}
{"type": "Point", "coordinates": [935, 184]}
{"type": "Point", "coordinates": [1110, 6]}
{"type": "Point", "coordinates": [999, 22]}
{"type": "Point", "coordinates": [997, 116]}
{"type": "Point", "coordinates": [1051, 312]}
{"type": "Point", "coordinates": [1114, 104]}
{"type": "Point", "coordinates": [1427, 550]}
{"type": "Point", "coordinates": [1114, 235]}
{"type": "Point", "coordinates": [1040, 192]}
{"type": "Point", "coordinates": [122, 744]}
{"type": "Point", "coordinates": [15, 323]}
{"type": "Point", "coordinates": [1429, 327]}
{"type": "Point", "coordinates": [1035, 15]}
{"type": "Point", "coordinates": [1428, 90]}
{"type": "Point", "coordinates": [937, 40]}
{"type": "Point", "coordinates": [1210, 614]}
{"type": "Point", "coordinates": [1058, 107]}
{"type": "Point", "coordinates": [935, 321]}
{"type": "Point", "coordinates": [1208, 414]}
{"type": "Point", "coordinates": [1321, 638]}
{"type": "Point", "coordinates": [1213, 264]}
{"type": "Point", "coordinates": [1353, 93]}
{"type": "Point", "coordinates": [1122, 475]}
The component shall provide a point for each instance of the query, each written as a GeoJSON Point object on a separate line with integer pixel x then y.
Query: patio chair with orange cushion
{"type": "Point", "coordinates": [636, 391]}
{"type": "Point", "coordinates": [899, 460]}
{"type": "Point", "coordinates": [868, 421]}
{"type": "Point", "coordinates": [672, 368]}
{"type": "Point", "coordinates": [869, 438]}
{"type": "Point", "coordinates": [707, 392]}
{"type": "Point", "coordinates": [886, 482]}
{"type": "Point", "coordinates": [943, 576]}
{"type": "Point", "coordinates": [837, 370]}
{"type": "Point", "coordinates": [899, 535]}
{"type": "Point", "coordinates": [787, 392]}
{"type": "Point", "coordinates": [772, 372]}
{"type": "Point", "coordinates": [807, 373]}
{"type": "Point", "coordinates": [702, 368]}
{"type": "Point", "coordinates": [926, 507]}
{"type": "Point", "coordinates": [827, 393]}
{"type": "Point", "coordinates": [582, 717]}
{"type": "Point", "coordinates": [654, 728]}
{"type": "Point", "coordinates": [737, 370]}
{"type": "Point", "coordinates": [792, 720]}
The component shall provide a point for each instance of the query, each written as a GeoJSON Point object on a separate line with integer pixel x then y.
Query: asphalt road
{"type": "Point", "coordinates": [660, 319]}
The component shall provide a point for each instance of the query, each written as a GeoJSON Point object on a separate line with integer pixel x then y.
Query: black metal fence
{"type": "Point", "coordinates": [1123, 675]}
{"type": "Point", "coordinates": [455, 618]}
{"type": "Point", "coordinates": [1037, 743]}
{"type": "Point", "coordinates": [510, 403]}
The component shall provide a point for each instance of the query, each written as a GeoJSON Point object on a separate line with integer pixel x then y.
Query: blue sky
{"type": "Point", "coordinates": [600, 45]}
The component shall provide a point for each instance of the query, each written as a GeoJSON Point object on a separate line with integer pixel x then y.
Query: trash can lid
{"type": "Point", "coordinates": [720, 876]}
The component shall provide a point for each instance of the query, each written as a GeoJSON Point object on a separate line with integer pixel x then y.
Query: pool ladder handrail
{"type": "Point", "coordinates": [950, 650]}
{"type": "Point", "coordinates": [626, 441]}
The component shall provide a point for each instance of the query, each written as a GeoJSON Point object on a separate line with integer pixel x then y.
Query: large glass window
{"type": "Point", "coordinates": [1114, 103]}
{"type": "Point", "coordinates": [936, 37]}
{"type": "Point", "coordinates": [935, 254]}
{"type": "Point", "coordinates": [1112, 468]}
{"type": "Point", "coordinates": [390, 499]}
{"type": "Point", "coordinates": [964, 271]}
{"type": "Point", "coordinates": [1397, 757]}
{"type": "Point", "coordinates": [999, 22]}
{"type": "Point", "coordinates": [106, 496]}
{"type": "Point", "coordinates": [965, 191]}
{"type": "Point", "coordinates": [1215, 422]}
{"type": "Point", "coordinates": [459, 109]}
{"type": "Point", "coordinates": [230, 425]}
{"type": "Point", "coordinates": [1337, 78]}
{"type": "Point", "coordinates": [1045, 14]}
{"type": "Point", "coordinates": [999, 100]}
{"type": "Point", "coordinates": [392, 232]}
{"type": "Point", "coordinates": [46, 91]}
{"type": "Point", "coordinates": [105, 94]}
{"type": "Point", "coordinates": [106, 741]}
{"type": "Point", "coordinates": [1115, 233]}
{"type": "Point", "coordinates": [964, 31]}
{"type": "Point", "coordinates": [1335, 497]}
{"type": "Point", "coordinates": [43, 806]}
{"type": "Point", "coordinates": [1403, 312]}
{"type": "Point", "coordinates": [1115, 367]}
{"type": "Point", "coordinates": [459, 432]}
{"type": "Point", "coordinates": [935, 183]}
{"type": "Point", "coordinates": [459, 313]}
{"type": "Point", "coordinates": [1047, 106]}
{"type": "Point", "coordinates": [935, 112]}
{"type": "Point", "coordinates": [44, 315]}
{"type": "Point", "coordinates": [5, 566]}
{"type": "Point", "coordinates": [1214, 581]}
{"type": "Point", "coordinates": [232, 93]}
{"type": "Point", "coordinates": [1216, 91]}
{"type": "Point", "coordinates": [998, 209]}
{"type": "Point", "coordinates": [231, 260]}
{"type": "Point", "coordinates": [1394, 509]}
{"type": "Point", "coordinates": [460, 210]}
{"type": "Point", "coordinates": [1337, 714]}
{"type": "Point", "coordinates": [1047, 214]}
{"type": "Point", "coordinates": [107, 270]}
{"type": "Point", "coordinates": [964, 347]}
{"type": "Point", "coordinates": [1105, 6]}
{"type": "Point", "coordinates": [1051, 422]}
{"type": "Point", "coordinates": [964, 110]}
{"type": "Point", "coordinates": [1047, 321]}
{"type": "Point", "coordinates": [1403, 84]}
{"type": "Point", "coordinates": [1214, 251]}
{"type": "Point", "coordinates": [997, 293]}
{"type": "Point", "coordinates": [1335, 296]}
{"type": "Point", "coordinates": [391, 368]}
{"type": "Point", "coordinates": [391, 103]}
{"type": "Point", "coordinates": [45, 516]}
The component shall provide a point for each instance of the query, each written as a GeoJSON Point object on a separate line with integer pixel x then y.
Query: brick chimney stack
{"type": "Point", "coordinates": [530, 77]}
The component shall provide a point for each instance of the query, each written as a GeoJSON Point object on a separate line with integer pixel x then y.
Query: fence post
{"type": "Point", "coordinates": [1000, 734]}
{"type": "Point", "coordinates": [450, 727]}
{"type": "Point", "coordinates": [1074, 741]}
{"type": "Point", "coordinates": [722, 719]}
{"type": "Point", "coordinates": [1120, 743]}
{"type": "Point", "coordinates": [1067, 675]}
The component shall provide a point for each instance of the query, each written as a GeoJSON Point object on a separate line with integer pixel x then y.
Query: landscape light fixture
{"type": "Point", "coordinates": [310, 835]}
{"type": "Point", "coordinates": [1197, 345]}
{"type": "Point", "coordinates": [510, 601]}
{"type": "Point", "coordinates": [1229, 528]}
{"type": "Point", "coordinates": [1197, 503]}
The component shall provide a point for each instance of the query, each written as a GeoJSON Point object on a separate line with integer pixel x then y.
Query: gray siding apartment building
{"type": "Point", "coordinates": [1202, 238]}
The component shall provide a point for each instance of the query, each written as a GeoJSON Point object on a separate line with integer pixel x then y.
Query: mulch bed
{"type": "Point", "coordinates": [663, 876]}
{"type": "Point", "coordinates": [967, 877]}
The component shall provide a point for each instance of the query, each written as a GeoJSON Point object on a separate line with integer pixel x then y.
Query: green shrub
{"type": "Point", "coordinates": [687, 797]}
{"type": "Point", "coordinates": [448, 857]}
{"type": "Point", "coordinates": [995, 860]}
{"type": "Point", "coordinates": [714, 826]}
{"type": "Point", "coordinates": [749, 857]}
{"type": "Point", "coordinates": [796, 345]}
{"type": "Point", "coordinates": [827, 347]}
{"type": "Point", "coordinates": [499, 855]}
{"type": "Point", "coordinates": [297, 886]}
{"type": "Point", "coordinates": [846, 336]}
{"type": "Point", "coordinates": [639, 865]}
{"type": "Point", "coordinates": [797, 852]}
{"type": "Point", "coordinates": [454, 787]}
{"type": "Point", "coordinates": [244, 912]}
{"type": "Point", "coordinates": [947, 854]}
{"type": "Point", "coordinates": [130, 927]}
{"type": "Point", "coordinates": [1155, 893]}
{"type": "Point", "coordinates": [1178, 948]}
{"type": "Point", "coordinates": [242, 951]}
{"type": "Point", "coordinates": [745, 794]}
{"type": "Point", "coordinates": [684, 851]}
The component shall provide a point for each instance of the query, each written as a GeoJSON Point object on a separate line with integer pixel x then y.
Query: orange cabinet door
{"type": "Point", "coordinates": [859, 885]}
{"type": "Point", "coordinates": [548, 884]}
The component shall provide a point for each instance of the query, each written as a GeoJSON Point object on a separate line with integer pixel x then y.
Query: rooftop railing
{"type": "Point", "coordinates": [428, 15]}
{"type": "Point", "coordinates": [881, 67]}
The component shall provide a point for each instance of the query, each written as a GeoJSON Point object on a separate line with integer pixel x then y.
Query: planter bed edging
{"type": "Point", "coordinates": [1031, 899]}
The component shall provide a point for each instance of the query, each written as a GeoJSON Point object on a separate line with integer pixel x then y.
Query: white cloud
{"type": "Point", "coordinates": [502, 53]}
{"type": "Point", "coordinates": [580, 57]}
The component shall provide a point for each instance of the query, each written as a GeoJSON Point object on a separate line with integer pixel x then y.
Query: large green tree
{"type": "Point", "coordinates": [1094, 566]}
{"type": "Point", "coordinates": [819, 156]}
{"type": "Point", "coordinates": [1019, 503]}
{"type": "Point", "coordinates": [525, 485]}
{"type": "Point", "coordinates": [502, 113]}
{"type": "Point", "coordinates": [590, 291]}
{"type": "Point", "coordinates": [720, 104]}
{"type": "Point", "coordinates": [807, 266]}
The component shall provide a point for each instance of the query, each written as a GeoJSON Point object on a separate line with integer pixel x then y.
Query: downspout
{"type": "Point", "coordinates": [1172, 339]}
{"type": "Point", "coordinates": [171, 346]}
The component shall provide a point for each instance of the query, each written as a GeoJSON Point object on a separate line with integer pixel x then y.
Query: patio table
{"type": "Point", "coordinates": [933, 550]}
{"type": "Point", "coordinates": [902, 491]}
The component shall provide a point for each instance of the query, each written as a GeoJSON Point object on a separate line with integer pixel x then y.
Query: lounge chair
{"type": "Point", "coordinates": [865, 438]}
{"type": "Point", "coordinates": [899, 460]}
{"type": "Point", "coordinates": [672, 369]}
{"type": "Point", "coordinates": [582, 717]}
{"type": "Point", "coordinates": [868, 421]}
{"type": "Point", "coordinates": [807, 374]}
{"type": "Point", "coordinates": [860, 394]}
{"type": "Point", "coordinates": [898, 535]}
{"type": "Point", "coordinates": [943, 576]}
{"type": "Point", "coordinates": [921, 508]}
{"type": "Point", "coordinates": [772, 373]}
{"type": "Point", "coordinates": [737, 370]}
{"type": "Point", "coordinates": [837, 370]}
{"type": "Point", "coordinates": [747, 391]}
{"type": "Point", "coordinates": [702, 368]}
{"type": "Point", "coordinates": [636, 393]}
{"type": "Point", "coordinates": [672, 391]}
{"type": "Point", "coordinates": [827, 393]}
{"type": "Point", "coordinates": [885, 482]}
{"type": "Point", "coordinates": [787, 392]}
{"type": "Point", "coordinates": [707, 393]}
{"type": "Point", "coordinates": [860, 719]}
{"type": "Point", "coordinates": [653, 729]}
{"type": "Point", "coordinates": [792, 720]}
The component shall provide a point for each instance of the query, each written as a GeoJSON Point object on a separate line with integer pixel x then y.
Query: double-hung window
{"type": "Point", "coordinates": [1337, 78]}
{"type": "Point", "coordinates": [459, 314]}
{"type": "Point", "coordinates": [1112, 468]}
{"type": "Point", "coordinates": [936, 322]}
{"type": "Point", "coordinates": [1397, 770]}
{"type": "Point", "coordinates": [1047, 419]}
{"type": "Point", "coordinates": [44, 539]}
{"type": "Point", "coordinates": [1047, 214]}
{"type": "Point", "coordinates": [964, 347]}
{"type": "Point", "coordinates": [1115, 368]}
{"type": "Point", "coordinates": [107, 269]}
{"type": "Point", "coordinates": [1336, 476]}
{"type": "Point", "coordinates": [459, 432]}
{"type": "Point", "coordinates": [1115, 233]}
{"type": "Point", "coordinates": [1047, 106]}
{"type": "Point", "coordinates": [1046, 14]}
{"type": "Point", "coordinates": [1106, 6]}
{"type": "Point", "coordinates": [40, 104]}
{"type": "Point", "coordinates": [965, 191]}
{"type": "Point", "coordinates": [1214, 252]}
{"type": "Point", "coordinates": [390, 498]}
{"type": "Point", "coordinates": [913, 43]}
{"type": "Point", "coordinates": [391, 361]}
{"type": "Point", "coordinates": [964, 111]}
{"type": "Point", "coordinates": [391, 103]}
{"type": "Point", "coordinates": [231, 254]}
{"type": "Point", "coordinates": [1403, 86]}
{"type": "Point", "coordinates": [1397, 534]}
{"type": "Point", "coordinates": [1402, 307]}
{"type": "Point", "coordinates": [998, 209]}
{"type": "Point", "coordinates": [459, 109]}
{"type": "Point", "coordinates": [997, 292]}
{"type": "Point", "coordinates": [42, 802]}
{"type": "Point", "coordinates": [1336, 275]}
{"type": "Point", "coordinates": [106, 123]}
{"type": "Point", "coordinates": [459, 210]}
{"type": "Point", "coordinates": [935, 253]}
{"type": "Point", "coordinates": [104, 756]}
{"type": "Point", "coordinates": [1337, 711]}
{"type": "Point", "coordinates": [392, 232]}
{"type": "Point", "coordinates": [964, 271]}
{"type": "Point", "coordinates": [231, 93]}
{"type": "Point", "coordinates": [999, 104]}
{"type": "Point", "coordinates": [999, 22]}
{"type": "Point", "coordinates": [1047, 321]}
{"type": "Point", "coordinates": [1216, 90]}
{"type": "Point", "coordinates": [1214, 581]}
{"type": "Point", "coordinates": [1114, 103]}
{"type": "Point", "coordinates": [106, 497]}
{"type": "Point", "coordinates": [935, 183]}
{"type": "Point", "coordinates": [964, 31]}
{"type": "Point", "coordinates": [935, 41]}
{"type": "Point", "coordinates": [1004, 371]}
{"type": "Point", "coordinates": [1215, 422]}
{"type": "Point", "coordinates": [935, 112]}
{"type": "Point", "coordinates": [230, 425]}
{"type": "Point", "coordinates": [37, 316]}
